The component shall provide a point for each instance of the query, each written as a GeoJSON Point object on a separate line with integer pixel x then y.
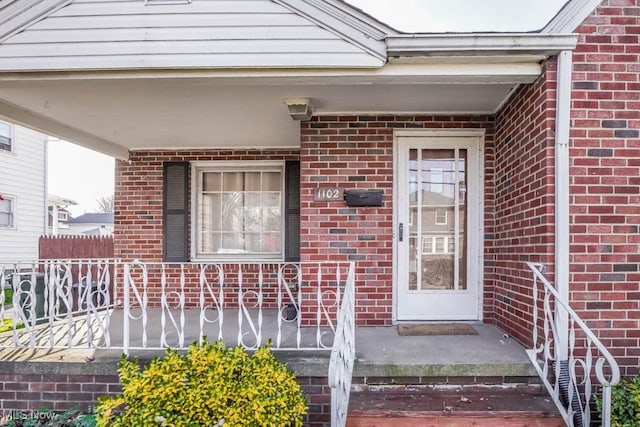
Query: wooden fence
{"type": "Point", "coordinates": [74, 247]}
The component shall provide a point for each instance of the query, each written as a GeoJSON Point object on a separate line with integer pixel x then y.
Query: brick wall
{"type": "Point", "coordinates": [524, 199]}
{"type": "Point", "coordinates": [346, 151]}
{"type": "Point", "coordinates": [138, 195]}
{"type": "Point", "coordinates": [61, 386]}
{"type": "Point", "coordinates": [55, 386]}
{"type": "Point", "coordinates": [605, 178]}
{"type": "Point", "coordinates": [138, 218]}
{"type": "Point", "coordinates": [357, 152]}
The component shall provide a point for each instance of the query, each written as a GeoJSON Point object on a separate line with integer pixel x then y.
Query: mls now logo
{"type": "Point", "coordinates": [28, 415]}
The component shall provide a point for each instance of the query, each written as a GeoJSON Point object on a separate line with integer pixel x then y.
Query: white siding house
{"type": "Point", "coordinates": [23, 190]}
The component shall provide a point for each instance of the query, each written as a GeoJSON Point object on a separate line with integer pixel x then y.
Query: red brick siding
{"type": "Point", "coordinates": [138, 216]}
{"type": "Point", "coordinates": [357, 152]}
{"type": "Point", "coordinates": [524, 199]}
{"type": "Point", "coordinates": [138, 195]}
{"type": "Point", "coordinates": [58, 392]}
{"type": "Point", "coordinates": [348, 151]}
{"type": "Point", "coordinates": [605, 178]}
{"type": "Point", "coordinates": [32, 392]}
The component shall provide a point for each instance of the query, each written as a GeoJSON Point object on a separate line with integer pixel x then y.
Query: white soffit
{"type": "Point", "coordinates": [203, 113]}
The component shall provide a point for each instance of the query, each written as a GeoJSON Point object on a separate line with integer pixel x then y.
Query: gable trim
{"type": "Point", "coordinates": [428, 45]}
{"type": "Point", "coordinates": [571, 16]}
{"type": "Point", "coordinates": [21, 14]}
{"type": "Point", "coordinates": [344, 21]}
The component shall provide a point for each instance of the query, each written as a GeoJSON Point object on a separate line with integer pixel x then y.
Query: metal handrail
{"type": "Point", "coordinates": [571, 389]}
{"type": "Point", "coordinates": [343, 355]}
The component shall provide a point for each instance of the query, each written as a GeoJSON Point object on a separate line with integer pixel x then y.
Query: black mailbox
{"type": "Point", "coordinates": [363, 197]}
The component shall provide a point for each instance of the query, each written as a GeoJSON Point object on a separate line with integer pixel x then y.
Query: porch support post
{"type": "Point", "coordinates": [563, 124]}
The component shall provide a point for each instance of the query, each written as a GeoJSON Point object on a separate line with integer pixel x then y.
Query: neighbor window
{"type": "Point", "coordinates": [7, 210]}
{"type": "Point", "coordinates": [6, 136]}
{"type": "Point", "coordinates": [239, 211]}
{"type": "Point", "coordinates": [437, 245]}
{"type": "Point", "coordinates": [441, 216]}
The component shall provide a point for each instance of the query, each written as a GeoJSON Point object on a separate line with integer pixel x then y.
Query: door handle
{"type": "Point", "coordinates": [400, 232]}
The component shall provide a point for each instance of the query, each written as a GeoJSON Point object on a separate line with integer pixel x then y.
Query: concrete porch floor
{"type": "Point", "coordinates": [380, 351]}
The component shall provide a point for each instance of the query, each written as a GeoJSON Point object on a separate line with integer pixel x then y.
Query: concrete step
{"type": "Point", "coordinates": [511, 405]}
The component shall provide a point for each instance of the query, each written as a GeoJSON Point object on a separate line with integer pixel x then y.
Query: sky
{"type": "Point", "coordinates": [79, 174]}
{"type": "Point", "coordinates": [461, 15]}
{"type": "Point", "coordinates": [84, 176]}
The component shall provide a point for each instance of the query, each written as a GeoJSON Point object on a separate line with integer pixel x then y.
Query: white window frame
{"type": "Point", "coordinates": [12, 214]}
{"type": "Point", "coordinates": [12, 138]}
{"type": "Point", "coordinates": [430, 244]}
{"type": "Point", "coordinates": [197, 170]}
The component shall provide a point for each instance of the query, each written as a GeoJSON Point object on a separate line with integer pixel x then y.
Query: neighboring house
{"type": "Point", "coordinates": [23, 191]}
{"type": "Point", "coordinates": [532, 139]}
{"type": "Point", "coordinates": [57, 214]}
{"type": "Point", "coordinates": [91, 224]}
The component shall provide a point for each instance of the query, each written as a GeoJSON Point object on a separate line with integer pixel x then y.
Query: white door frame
{"type": "Point", "coordinates": [472, 133]}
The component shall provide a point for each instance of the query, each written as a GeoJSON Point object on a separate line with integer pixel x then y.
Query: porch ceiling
{"type": "Point", "coordinates": [127, 112]}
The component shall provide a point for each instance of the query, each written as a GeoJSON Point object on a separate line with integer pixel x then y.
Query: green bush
{"type": "Point", "coordinates": [625, 403]}
{"type": "Point", "coordinates": [210, 385]}
{"type": "Point", "coordinates": [8, 296]}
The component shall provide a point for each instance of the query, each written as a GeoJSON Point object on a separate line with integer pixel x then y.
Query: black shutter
{"type": "Point", "coordinates": [175, 212]}
{"type": "Point", "coordinates": [292, 211]}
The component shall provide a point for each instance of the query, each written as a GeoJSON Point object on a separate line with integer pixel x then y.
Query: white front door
{"type": "Point", "coordinates": [439, 226]}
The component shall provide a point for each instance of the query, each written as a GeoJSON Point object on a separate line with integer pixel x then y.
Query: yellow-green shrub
{"type": "Point", "coordinates": [209, 384]}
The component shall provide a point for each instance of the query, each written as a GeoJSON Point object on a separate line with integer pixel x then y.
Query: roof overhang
{"type": "Point", "coordinates": [472, 45]}
{"type": "Point", "coordinates": [114, 112]}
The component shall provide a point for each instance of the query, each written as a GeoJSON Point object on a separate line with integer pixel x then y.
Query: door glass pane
{"type": "Point", "coordinates": [412, 232]}
{"type": "Point", "coordinates": [441, 172]}
{"type": "Point", "coordinates": [462, 219]}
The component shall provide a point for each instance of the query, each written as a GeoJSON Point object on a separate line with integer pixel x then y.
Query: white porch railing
{"type": "Point", "coordinates": [343, 355]}
{"type": "Point", "coordinates": [136, 306]}
{"type": "Point", "coordinates": [56, 303]}
{"type": "Point", "coordinates": [569, 382]}
{"type": "Point", "coordinates": [294, 305]}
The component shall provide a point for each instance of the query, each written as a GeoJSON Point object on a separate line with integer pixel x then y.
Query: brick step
{"type": "Point", "coordinates": [453, 406]}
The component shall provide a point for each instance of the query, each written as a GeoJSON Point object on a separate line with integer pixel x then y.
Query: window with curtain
{"type": "Point", "coordinates": [240, 212]}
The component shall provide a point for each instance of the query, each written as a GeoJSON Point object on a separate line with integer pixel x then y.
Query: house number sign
{"type": "Point", "coordinates": [324, 194]}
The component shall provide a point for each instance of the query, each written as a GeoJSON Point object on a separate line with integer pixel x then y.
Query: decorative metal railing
{"type": "Point", "coordinates": [104, 303]}
{"type": "Point", "coordinates": [295, 306]}
{"type": "Point", "coordinates": [343, 354]}
{"type": "Point", "coordinates": [569, 380]}
{"type": "Point", "coordinates": [56, 303]}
